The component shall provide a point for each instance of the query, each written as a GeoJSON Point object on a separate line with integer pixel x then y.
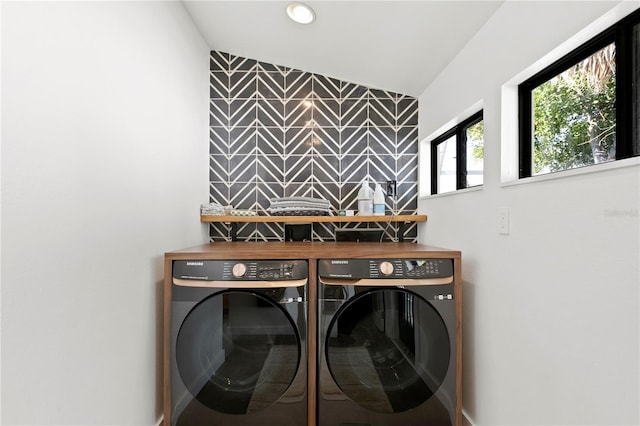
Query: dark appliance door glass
{"type": "Point", "coordinates": [388, 350]}
{"type": "Point", "coordinates": [237, 352]}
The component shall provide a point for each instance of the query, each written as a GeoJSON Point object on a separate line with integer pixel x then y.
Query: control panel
{"type": "Point", "coordinates": [385, 268]}
{"type": "Point", "coordinates": [240, 270]}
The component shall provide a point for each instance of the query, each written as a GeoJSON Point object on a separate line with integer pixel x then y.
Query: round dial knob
{"type": "Point", "coordinates": [239, 269]}
{"type": "Point", "coordinates": [386, 268]}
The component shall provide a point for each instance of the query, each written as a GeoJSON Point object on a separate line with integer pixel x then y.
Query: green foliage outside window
{"type": "Point", "coordinates": [475, 137]}
{"type": "Point", "coordinates": [574, 115]}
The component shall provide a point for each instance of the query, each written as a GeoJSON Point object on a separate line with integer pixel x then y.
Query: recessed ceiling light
{"type": "Point", "coordinates": [301, 13]}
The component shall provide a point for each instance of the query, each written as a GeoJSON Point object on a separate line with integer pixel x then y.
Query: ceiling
{"type": "Point", "coordinates": [399, 46]}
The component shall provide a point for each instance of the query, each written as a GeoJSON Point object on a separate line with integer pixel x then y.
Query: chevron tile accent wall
{"type": "Point", "coordinates": [277, 131]}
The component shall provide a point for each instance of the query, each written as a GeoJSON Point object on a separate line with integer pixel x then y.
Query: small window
{"type": "Point", "coordinates": [580, 110]}
{"type": "Point", "coordinates": [457, 156]}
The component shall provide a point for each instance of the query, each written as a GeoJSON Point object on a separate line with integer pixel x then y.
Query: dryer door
{"type": "Point", "coordinates": [237, 351]}
{"type": "Point", "coordinates": [388, 350]}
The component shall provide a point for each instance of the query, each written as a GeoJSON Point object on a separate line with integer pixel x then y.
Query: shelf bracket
{"type": "Point", "coordinates": [401, 232]}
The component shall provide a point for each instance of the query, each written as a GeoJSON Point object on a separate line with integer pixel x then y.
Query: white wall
{"type": "Point", "coordinates": [104, 165]}
{"type": "Point", "coordinates": [551, 327]}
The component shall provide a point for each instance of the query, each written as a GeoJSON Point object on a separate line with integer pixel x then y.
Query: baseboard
{"type": "Point", "coordinates": [465, 419]}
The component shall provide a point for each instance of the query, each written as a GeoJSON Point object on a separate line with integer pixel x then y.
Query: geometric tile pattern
{"type": "Point", "coordinates": [277, 131]}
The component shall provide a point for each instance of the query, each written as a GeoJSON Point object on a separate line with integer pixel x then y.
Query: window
{"type": "Point", "coordinates": [457, 156]}
{"type": "Point", "coordinates": [583, 109]}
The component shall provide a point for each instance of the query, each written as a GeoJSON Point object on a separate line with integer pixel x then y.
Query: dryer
{"type": "Point", "coordinates": [387, 342]}
{"type": "Point", "coordinates": [238, 342]}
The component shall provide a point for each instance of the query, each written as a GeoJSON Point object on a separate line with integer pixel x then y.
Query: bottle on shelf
{"type": "Point", "coordinates": [378, 201]}
{"type": "Point", "coordinates": [365, 199]}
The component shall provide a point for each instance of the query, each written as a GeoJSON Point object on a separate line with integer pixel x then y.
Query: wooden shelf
{"type": "Point", "coordinates": [306, 219]}
{"type": "Point", "coordinates": [234, 220]}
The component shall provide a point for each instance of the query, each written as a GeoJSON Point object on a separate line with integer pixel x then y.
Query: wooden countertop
{"type": "Point", "coordinates": [309, 250]}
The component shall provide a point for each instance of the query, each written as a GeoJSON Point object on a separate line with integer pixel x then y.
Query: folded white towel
{"type": "Point", "coordinates": [299, 200]}
{"type": "Point", "coordinates": [212, 209]}
{"type": "Point", "coordinates": [293, 208]}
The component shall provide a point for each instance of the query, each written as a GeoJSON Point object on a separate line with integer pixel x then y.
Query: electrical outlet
{"type": "Point", "coordinates": [503, 220]}
{"type": "Point", "coordinates": [391, 188]}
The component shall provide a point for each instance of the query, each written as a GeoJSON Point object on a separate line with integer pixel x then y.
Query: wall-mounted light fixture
{"type": "Point", "coordinates": [301, 13]}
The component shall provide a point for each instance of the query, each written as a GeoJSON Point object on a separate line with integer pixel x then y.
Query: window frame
{"type": "Point", "coordinates": [459, 131]}
{"type": "Point", "coordinates": [621, 35]}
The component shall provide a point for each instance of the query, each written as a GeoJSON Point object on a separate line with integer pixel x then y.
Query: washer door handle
{"type": "Point", "coordinates": [239, 283]}
{"type": "Point", "coordinates": [370, 282]}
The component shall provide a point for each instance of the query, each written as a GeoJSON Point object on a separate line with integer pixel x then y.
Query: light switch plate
{"type": "Point", "coordinates": [503, 221]}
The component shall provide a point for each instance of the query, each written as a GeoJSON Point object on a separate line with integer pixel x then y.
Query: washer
{"type": "Point", "coordinates": [387, 343]}
{"type": "Point", "coordinates": [238, 346]}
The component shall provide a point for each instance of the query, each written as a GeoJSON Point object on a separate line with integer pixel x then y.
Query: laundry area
{"type": "Point", "coordinates": [354, 332]}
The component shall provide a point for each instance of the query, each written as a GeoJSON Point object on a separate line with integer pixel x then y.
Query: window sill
{"type": "Point", "coordinates": [457, 192]}
{"type": "Point", "coordinates": [596, 168]}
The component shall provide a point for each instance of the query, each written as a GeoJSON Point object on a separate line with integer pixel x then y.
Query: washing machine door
{"type": "Point", "coordinates": [387, 349]}
{"type": "Point", "coordinates": [237, 351]}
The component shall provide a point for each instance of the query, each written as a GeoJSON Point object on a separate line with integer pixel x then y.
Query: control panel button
{"type": "Point", "coordinates": [386, 268]}
{"type": "Point", "coordinates": [238, 270]}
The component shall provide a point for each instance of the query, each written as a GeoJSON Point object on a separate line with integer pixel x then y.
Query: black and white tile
{"type": "Point", "coordinates": [277, 131]}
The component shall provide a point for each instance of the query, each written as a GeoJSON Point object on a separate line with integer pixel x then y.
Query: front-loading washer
{"type": "Point", "coordinates": [387, 343]}
{"type": "Point", "coordinates": [238, 345]}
